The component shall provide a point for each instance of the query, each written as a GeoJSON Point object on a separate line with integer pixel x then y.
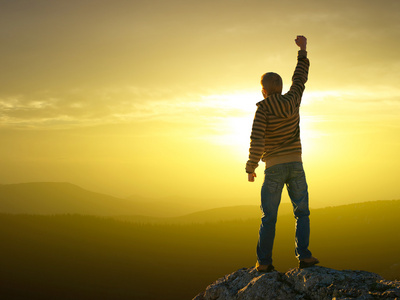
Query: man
{"type": "Point", "coordinates": [275, 138]}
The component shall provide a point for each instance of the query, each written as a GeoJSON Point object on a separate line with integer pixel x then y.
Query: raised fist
{"type": "Point", "coordinates": [301, 41]}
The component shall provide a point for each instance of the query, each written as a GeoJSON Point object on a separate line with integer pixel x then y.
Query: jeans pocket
{"type": "Point", "coordinates": [297, 168]}
{"type": "Point", "coordinates": [298, 177]}
{"type": "Point", "coordinates": [301, 183]}
{"type": "Point", "coordinates": [273, 179]}
{"type": "Point", "coordinates": [272, 186]}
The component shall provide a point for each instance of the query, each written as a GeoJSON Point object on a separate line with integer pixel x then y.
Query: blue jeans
{"type": "Point", "coordinates": [292, 174]}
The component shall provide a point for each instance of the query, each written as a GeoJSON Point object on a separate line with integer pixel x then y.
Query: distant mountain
{"type": "Point", "coordinates": [377, 210]}
{"type": "Point", "coordinates": [66, 198]}
{"type": "Point", "coordinates": [169, 206]}
{"type": "Point", "coordinates": [59, 198]}
{"type": "Point", "coordinates": [242, 212]}
{"type": "Point", "coordinates": [229, 213]}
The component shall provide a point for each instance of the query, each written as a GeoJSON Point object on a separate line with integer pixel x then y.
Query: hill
{"type": "Point", "coordinates": [62, 198]}
{"type": "Point", "coordinates": [242, 212]}
{"type": "Point", "coordinates": [229, 213]}
{"type": "Point", "coordinates": [168, 207]}
{"type": "Point", "coordinates": [58, 198]}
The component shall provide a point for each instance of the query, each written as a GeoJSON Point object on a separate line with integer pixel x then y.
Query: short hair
{"type": "Point", "coordinates": [272, 83]}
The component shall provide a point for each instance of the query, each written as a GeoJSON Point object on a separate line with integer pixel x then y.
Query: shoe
{"type": "Point", "coordinates": [308, 262]}
{"type": "Point", "coordinates": [264, 268]}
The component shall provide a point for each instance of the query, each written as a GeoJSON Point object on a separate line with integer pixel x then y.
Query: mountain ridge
{"type": "Point", "coordinates": [56, 198]}
{"type": "Point", "coordinates": [224, 213]}
{"type": "Point", "coordinates": [65, 197]}
{"type": "Point", "coordinates": [68, 198]}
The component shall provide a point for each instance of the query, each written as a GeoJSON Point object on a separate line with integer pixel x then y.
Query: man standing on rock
{"type": "Point", "coordinates": [275, 139]}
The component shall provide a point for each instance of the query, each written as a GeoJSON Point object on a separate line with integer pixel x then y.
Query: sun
{"type": "Point", "coordinates": [236, 112]}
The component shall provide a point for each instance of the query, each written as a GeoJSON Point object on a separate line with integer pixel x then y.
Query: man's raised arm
{"type": "Point", "coordinates": [300, 75]}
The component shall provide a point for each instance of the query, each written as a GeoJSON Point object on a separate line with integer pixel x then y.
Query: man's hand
{"type": "Point", "coordinates": [251, 176]}
{"type": "Point", "coordinates": [301, 41]}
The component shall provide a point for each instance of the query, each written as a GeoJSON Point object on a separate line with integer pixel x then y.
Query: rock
{"type": "Point", "coordinates": [317, 283]}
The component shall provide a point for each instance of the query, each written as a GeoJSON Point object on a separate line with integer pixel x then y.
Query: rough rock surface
{"type": "Point", "coordinates": [317, 283]}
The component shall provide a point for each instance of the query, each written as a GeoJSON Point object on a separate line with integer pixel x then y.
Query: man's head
{"type": "Point", "coordinates": [271, 83]}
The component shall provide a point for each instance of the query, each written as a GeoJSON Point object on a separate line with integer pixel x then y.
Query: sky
{"type": "Point", "coordinates": [156, 98]}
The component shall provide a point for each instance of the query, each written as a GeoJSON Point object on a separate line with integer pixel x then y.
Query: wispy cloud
{"type": "Point", "coordinates": [214, 110]}
{"type": "Point", "coordinates": [80, 107]}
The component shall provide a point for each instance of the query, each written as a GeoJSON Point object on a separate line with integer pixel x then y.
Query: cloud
{"type": "Point", "coordinates": [211, 113]}
{"type": "Point", "coordinates": [79, 107]}
{"type": "Point", "coordinates": [356, 110]}
{"type": "Point", "coordinates": [85, 62]}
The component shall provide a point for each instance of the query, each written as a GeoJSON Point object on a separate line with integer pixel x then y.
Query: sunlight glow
{"type": "Point", "coordinates": [236, 112]}
{"type": "Point", "coordinates": [240, 100]}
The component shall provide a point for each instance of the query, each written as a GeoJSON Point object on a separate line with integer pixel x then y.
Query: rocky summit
{"type": "Point", "coordinates": [317, 283]}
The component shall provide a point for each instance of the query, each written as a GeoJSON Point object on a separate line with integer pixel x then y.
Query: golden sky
{"type": "Point", "coordinates": [156, 98]}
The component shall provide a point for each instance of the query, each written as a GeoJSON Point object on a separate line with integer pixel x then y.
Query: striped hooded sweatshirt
{"type": "Point", "coordinates": [275, 135]}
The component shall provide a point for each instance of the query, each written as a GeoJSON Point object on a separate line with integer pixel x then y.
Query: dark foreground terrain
{"type": "Point", "coordinates": [87, 257]}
